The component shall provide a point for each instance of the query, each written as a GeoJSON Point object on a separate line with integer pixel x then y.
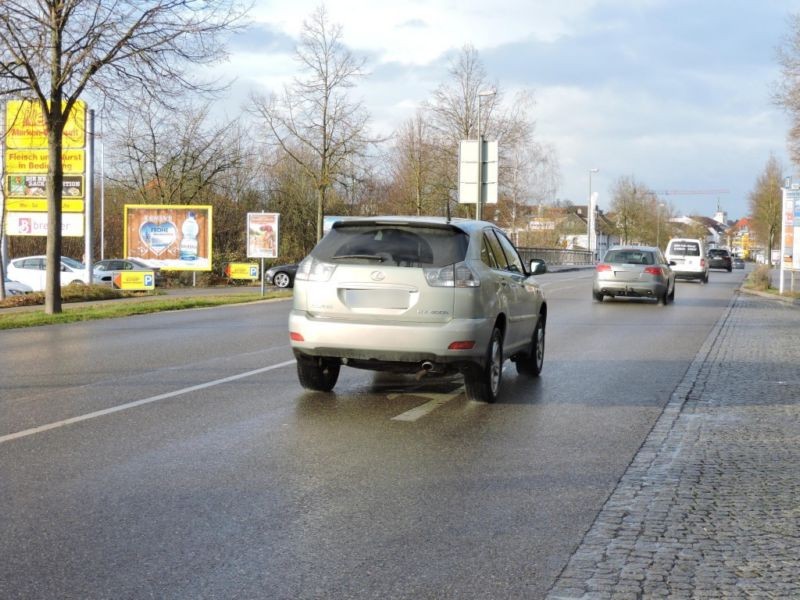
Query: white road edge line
{"type": "Point", "coordinates": [121, 407]}
{"type": "Point", "coordinates": [424, 409]}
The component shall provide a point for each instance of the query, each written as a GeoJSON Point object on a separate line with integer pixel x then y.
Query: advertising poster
{"type": "Point", "coordinates": [25, 166]}
{"type": "Point", "coordinates": [168, 236]}
{"type": "Point", "coordinates": [262, 235]}
{"type": "Point", "coordinates": [795, 238]}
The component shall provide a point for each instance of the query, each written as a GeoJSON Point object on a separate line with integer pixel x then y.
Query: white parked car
{"type": "Point", "coordinates": [32, 271]}
{"type": "Point", "coordinates": [15, 288]}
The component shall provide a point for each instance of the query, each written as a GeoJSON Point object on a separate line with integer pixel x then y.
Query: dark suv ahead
{"type": "Point", "coordinates": [719, 258]}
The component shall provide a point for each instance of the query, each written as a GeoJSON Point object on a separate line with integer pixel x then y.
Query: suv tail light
{"type": "Point", "coordinates": [458, 275]}
{"type": "Point", "coordinates": [311, 269]}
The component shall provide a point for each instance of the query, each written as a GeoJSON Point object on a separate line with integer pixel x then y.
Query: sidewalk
{"type": "Point", "coordinates": [710, 505]}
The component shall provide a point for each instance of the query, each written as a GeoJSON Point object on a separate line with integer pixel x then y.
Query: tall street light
{"type": "Point", "coordinates": [590, 226]}
{"type": "Point", "coordinates": [478, 204]}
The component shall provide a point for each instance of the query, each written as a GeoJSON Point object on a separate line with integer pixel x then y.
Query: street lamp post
{"type": "Point", "coordinates": [478, 203]}
{"type": "Point", "coordinates": [590, 226]}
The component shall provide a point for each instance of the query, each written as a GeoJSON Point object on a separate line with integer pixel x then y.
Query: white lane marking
{"type": "Point", "coordinates": [121, 407]}
{"type": "Point", "coordinates": [436, 400]}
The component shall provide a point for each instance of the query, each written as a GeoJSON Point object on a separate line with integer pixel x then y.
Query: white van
{"type": "Point", "coordinates": [688, 258]}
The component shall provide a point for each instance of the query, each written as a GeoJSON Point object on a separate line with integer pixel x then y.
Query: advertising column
{"type": "Point", "coordinates": [26, 163]}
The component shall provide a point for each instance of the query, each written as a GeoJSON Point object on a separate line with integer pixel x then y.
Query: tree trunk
{"type": "Point", "coordinates": [55, 177]}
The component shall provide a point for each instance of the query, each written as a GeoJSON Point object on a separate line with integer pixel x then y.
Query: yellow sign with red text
{"type": "Point", "coordinates": [26, 127]}
{"type": "Point", "coordinates": [134, 280]}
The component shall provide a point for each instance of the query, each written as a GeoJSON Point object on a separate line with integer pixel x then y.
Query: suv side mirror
{"type": "Point", "coordinates": [538, 266]}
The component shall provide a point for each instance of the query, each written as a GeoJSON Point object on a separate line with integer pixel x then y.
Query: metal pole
{"type": "Point", "coordinates": [89, 208]}
{"type": "Point", "coordinates": [478, 211]}
{"type": "Point", "coordinates": [590, 226]}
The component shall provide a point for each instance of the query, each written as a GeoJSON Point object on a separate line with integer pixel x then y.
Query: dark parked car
{"type": "Point", "coordinates": [281, 276]}
{"type": "Point", "coordinates": [719, 258]}
{"type": "Point", "coordinates": [103, 270]}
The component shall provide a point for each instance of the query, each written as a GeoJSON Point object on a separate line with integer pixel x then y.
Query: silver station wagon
{"type": "Point", "coordinates": [417, 295]}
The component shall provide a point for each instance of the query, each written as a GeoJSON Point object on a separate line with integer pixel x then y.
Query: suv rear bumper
{"type": "Point", "coordinates": [378, 342]}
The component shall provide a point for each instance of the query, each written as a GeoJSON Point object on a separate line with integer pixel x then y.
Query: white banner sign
{"type": "Point", "coordinates": [35, 224]}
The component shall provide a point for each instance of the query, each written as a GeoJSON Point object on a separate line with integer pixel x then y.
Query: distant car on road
{"type": "Point", "coordinates": [719, 258]}
{"type": "Point", "coordinates": [634, 271]}
{"type": "Point", "coordinates": [738, 263]}
{"type": "Point", "coordinates": [281, 276]}
{"type": "Point", "coordinates": [15, 288]}
{"type": "Point", "coordinates": [32, 271]}
{"type": "Point", "coordinates": [689, 258]}
{"type": "Point", "coordinates": [103, 270]}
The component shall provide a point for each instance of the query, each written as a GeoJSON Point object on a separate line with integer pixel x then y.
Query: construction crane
{"type": "Point", "coordinates": [688, 192]}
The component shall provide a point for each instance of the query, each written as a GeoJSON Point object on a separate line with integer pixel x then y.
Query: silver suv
{"type": "Point", "coordinates": [417, 295]}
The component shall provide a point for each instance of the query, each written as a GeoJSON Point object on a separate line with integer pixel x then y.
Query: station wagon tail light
{"type": "Point", "coordinates": [603, 267]}
{"type": "Point", "coordinates": [654, 271]}
{"type": "Point", "coordinates": [458, 275]}
{"type": "Point", "coordinates": [311, 269]}
{"type": "Point", "coordinates": [462, 345]}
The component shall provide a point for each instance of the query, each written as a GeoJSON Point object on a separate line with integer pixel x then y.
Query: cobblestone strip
{"type": "Point", "coordinates": [710, 505]}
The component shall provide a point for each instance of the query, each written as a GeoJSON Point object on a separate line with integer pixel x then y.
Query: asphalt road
{"type": "Point", "coordinates": [175, 455]}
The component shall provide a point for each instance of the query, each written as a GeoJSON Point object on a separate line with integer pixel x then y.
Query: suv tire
{"type": "Point", "coordinates": [482, 383]}
{"type": "Point", "coordinates": [531, 363]}
{"type": "Point", "coordinates": [318, 374]}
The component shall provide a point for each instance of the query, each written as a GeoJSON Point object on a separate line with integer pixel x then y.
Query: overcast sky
{"type": "Point", "coordinates": [676, 93]}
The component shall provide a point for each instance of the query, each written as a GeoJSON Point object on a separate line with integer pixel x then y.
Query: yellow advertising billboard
{"type": "Point", "coordinates": [26, 126]}
{"type": "Point", "coordinates": [34, 162]}
{"type": "Point", "coordinates": [169, 236]}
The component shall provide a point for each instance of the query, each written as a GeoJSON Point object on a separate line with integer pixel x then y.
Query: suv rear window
{"type": "Point", "coordinates": [717, 252]}
{"type": "Point", "coordinates": [393, 245]}
{"type": "Point", "coordinates": [685, 249]}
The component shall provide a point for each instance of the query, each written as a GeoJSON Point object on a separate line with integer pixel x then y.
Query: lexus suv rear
{"type": "Point", "coordinates": [416, 295]}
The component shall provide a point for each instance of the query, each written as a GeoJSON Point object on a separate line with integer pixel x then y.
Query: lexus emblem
{"type": "Point", "coordinates": [377, 276]}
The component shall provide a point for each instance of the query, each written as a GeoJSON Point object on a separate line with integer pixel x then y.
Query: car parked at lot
{"type": "Point", "coordinates": [103, 270]}
{"type": "Point", "coordinates": [417, 295]}
{"type": "Point", "coordinates": [16, 288]}
{"type": "Point", "coordinates": [281, 276]}
{"type": "Point", "coordinates": [689, 258]}
{"type": "Point", "coordinates": [720, 258]}
{"type": "Point", "coordinates": [635, 272]}
{"type": "Point", "coordinates": [32, 270]}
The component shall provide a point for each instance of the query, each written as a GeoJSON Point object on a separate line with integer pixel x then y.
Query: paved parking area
{"type": "Point", "coordinates": [710, 505]}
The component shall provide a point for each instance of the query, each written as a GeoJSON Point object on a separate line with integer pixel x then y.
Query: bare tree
{"type": "Point", "coordinates": [787, 90]}
{"type": "Point", "coordinates": [412, 160]}
{"type": "Point", "coordinates": [174, 157]}
{"type": "Point", "coordinates": [313, 121]}
{"type": "Point", "coordinates": [54, 51]}
{"type": "Point", "coordinates": [634, 207]}
{"type": "Point", "coordinates": [765, 205]}
{"type": "Point", "coordinates": [456, 112]}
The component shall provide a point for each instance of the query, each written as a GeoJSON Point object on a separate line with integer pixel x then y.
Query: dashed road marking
{"type": "Point", "coordinates": [121, 407]}
{"type": "Point", "coordinates": [436, 400]}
